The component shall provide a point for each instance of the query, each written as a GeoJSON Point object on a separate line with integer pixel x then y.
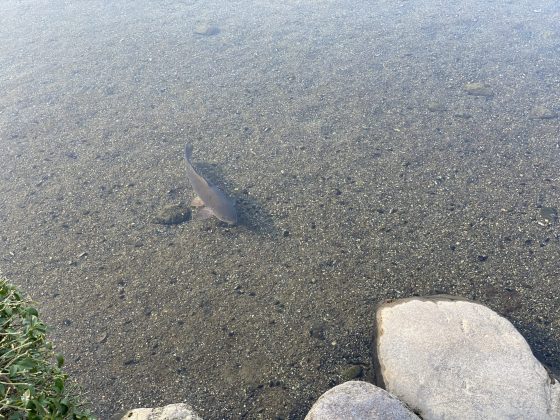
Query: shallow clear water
{"type": "Point", "coordinates": [375, 150]}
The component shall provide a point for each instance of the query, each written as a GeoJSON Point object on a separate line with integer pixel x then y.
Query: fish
{"type": "Point", "coordinates": [210, 199]}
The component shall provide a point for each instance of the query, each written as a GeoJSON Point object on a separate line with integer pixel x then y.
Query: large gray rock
{"type": "Point", "coordinates": [355, 400]}
{"type": "Point", "coordinates": [169, 412]}
{"type": "Point", "coordinates": [450, 358]}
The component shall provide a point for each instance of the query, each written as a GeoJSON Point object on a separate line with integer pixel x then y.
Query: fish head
{"type": "Point", "coordinates": [230, 215]}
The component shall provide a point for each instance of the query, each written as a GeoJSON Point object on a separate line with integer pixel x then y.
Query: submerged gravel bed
{"type": "Point", "coordinates": [375, 150]}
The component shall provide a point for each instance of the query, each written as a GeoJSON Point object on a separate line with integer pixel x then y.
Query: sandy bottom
{"type": "Point", "coordinates": [376, 150]}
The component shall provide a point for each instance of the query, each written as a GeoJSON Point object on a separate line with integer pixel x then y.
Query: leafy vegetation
{"type": "Point", "coordinates": [32, 383]}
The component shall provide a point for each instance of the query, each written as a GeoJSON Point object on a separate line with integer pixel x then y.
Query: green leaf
{"type": "Point", "coordinates": [13, 371]}
{"type": "Point", "coordinates": [25, 363]}
{"type": "Point", "coordinates": [17, 416]}
{"type": "Point", "coordinates": [59, 360]}
{"type": "Point", "coordinates": [31, 311]}
{"type": "Point", "coordinates": [59, 384]}
{"type": "Point", "coordinates": [39, 408]}
{"type": "Point", "coordinates": [28, 358]}
{"type": "Point", "coordinates": [25, 397]}
{"type": "Point", "coordinates": [64, 406]}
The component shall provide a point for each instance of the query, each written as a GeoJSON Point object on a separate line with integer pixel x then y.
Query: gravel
{"type": "Point", "coordinates": [361, 167]}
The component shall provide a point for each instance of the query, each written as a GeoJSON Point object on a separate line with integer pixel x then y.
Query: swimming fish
{"type": "Point", "coordinates": [211, 200]}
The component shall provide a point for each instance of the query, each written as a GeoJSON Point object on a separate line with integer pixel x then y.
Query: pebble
{"type": "Point", "coordinates": [352, 372]}
{"type": "Point", "coordinates": [549, 214]}
{"type": "Point", "coordinates": [173, 215]}
{"type": "Point", "coordinates": [436, 107]}
{"type": "Point", "coordinates": [478, 89]}
{"type": "Point", "coordinates": [317, 330]}
{"type": "Point", "coordinates": [179, 411]}
{"type": "Point", "coordinates": [206, 29]}
{"type": "Point", "coordinates": [542, 113]}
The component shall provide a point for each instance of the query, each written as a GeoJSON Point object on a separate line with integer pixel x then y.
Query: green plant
{"type": "Point", "coordinates": [32, 383]}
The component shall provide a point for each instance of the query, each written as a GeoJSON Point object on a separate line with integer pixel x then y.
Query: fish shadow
{"type": "Point", "coordinates": [250, 213]}
{"type": "Point", "coordinates": [253, 216]}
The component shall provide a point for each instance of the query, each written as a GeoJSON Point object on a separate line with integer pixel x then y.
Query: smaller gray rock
{"type": "Point", "coordinates": [352, 372]}
{"type": "Point", "coordinates": [464, 115]}
{"type": "Point", "coordinates": [478, 89]}
{"type": "Point", "coordinates": [206, 29]}
{"type": "Point", "coordinates": [543, 113]}
{"type": "Point", "coordinates": [549, 214]}
{"type": "Point", "coordinates": [178, 411]}
{"type": "Point", "coordinates": [356, 400]}
{"type": "Point", "coordinates": [173, 215]}
{"type": "Point", "coordinates": [434, 106]}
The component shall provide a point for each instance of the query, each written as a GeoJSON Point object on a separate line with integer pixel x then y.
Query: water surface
{"type": "Point", "coordinates": [376, 150]}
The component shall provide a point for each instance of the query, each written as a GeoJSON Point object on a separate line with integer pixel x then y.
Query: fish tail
{"type": "Point", "coordinates": [188, 152]}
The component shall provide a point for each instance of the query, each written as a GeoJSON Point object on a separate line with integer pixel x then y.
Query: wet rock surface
{"type": "Point", "coordinates": [446, 357]}
{"type": "Point", "coordinates": [179, 411]}
{"type": "Point", "coordinates": [357, 400]}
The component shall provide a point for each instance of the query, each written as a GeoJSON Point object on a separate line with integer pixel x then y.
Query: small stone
{"type": "Point", "coordinates": [356, 400]}
{"type": "Point", "coordinates": [317, 331]}
{"type": "Point", "coordinates": [179, 411]}
{"type": "Point", "coordinates": [549, 214]}
{"type": "Point", "coordinates": [436, 107]}
{"type": "Point", "coordinates": [352, 372]}
{"type": "Point", "coordinates": [542, 113]}
{"type": "Point", "coordinates": [478, 89]}
{"type": "Point", "coordinates": [206, 29]}
{"type": "Point", "coordinates": [101, 338]}
{"type": "Point", "coordinates": [173, 215]}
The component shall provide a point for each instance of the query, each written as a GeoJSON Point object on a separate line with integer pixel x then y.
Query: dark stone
{"type": "Point", "coordinates": [352, 372]}
{"type": "Point", "coordinates": [550, 214]}
{"type": "Point", "coordinates": [478, 89]}
{"type": "Point", "coordinates": [543, 113]}
{"type": "Point", "coordinates": [173, 215]}
{"type": "Point", "coordinates": [317, 331]}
